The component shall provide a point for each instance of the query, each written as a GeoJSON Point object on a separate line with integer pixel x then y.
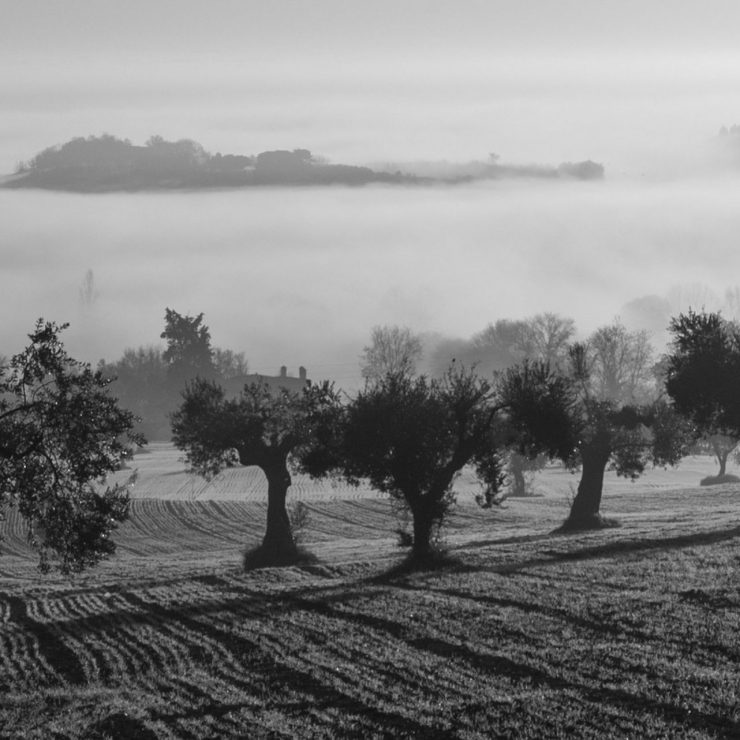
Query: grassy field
{"type": "Point", "coordinates": [629, 632]}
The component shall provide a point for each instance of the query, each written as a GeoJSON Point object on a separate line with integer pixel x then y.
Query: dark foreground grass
{"type": "Point", "coordinates": [518, 632]}
{"type": "Point", "coordinates": [611, 634]}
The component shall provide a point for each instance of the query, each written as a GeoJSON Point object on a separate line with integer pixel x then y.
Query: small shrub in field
{"type": "Point", "coordinates": [715, 480]}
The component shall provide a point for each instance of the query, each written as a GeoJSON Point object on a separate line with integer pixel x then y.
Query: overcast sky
{"type": "Point", "coordinates": [367, 81]}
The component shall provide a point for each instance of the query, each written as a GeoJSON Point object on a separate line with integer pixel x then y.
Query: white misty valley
{"type": "Point", "coordinates": [299, 276]}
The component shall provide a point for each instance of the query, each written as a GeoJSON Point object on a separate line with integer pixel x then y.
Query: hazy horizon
{"type": "Point", "coordinates": [300, 276]}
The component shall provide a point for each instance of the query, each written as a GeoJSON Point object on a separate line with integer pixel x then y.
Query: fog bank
{"type": "Point", "coordinates": [299, 276]}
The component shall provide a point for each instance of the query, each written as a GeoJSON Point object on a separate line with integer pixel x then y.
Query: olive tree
{"type": "Point", "coordinates": [410, 437]}
{"type": "Point", "coordinates": [61, 433]}
{"type": "Point", "coordinates": [702, 372]}
{"type": "Point", "coordinates": [263, 427]}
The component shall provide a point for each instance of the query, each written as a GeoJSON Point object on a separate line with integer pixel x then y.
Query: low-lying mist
{"type": "Point", "coordinates": [299, 276]}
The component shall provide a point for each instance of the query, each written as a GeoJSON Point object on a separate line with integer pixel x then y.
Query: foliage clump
{"type": "Point", "coordinates": [61, 434]}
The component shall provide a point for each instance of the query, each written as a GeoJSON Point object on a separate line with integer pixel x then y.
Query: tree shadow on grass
{"type": "Point", "coordinates": [435, 562]}
{"type": "Point", "coordinates": [281, 679]}
{"type": "Point", "coordinates": [605, 550]}
{"type": "Point", "coordinates": [501, 665]}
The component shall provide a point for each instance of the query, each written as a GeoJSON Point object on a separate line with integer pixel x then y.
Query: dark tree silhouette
{"type": "Point", "coordinates": [261, 427]}
{"type": "Point", "coordinates": [188, 354]}
{"type": "Point", "coordinates": [61, 433]}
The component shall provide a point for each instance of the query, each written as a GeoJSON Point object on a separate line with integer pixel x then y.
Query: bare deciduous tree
{"type": "Point", "coordinates": [393, 350]}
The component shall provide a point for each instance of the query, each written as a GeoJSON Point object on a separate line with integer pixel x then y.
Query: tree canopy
{"type": "Point", "coordinates": [61, 433]}
{"type": "Point", "coordinates": [702, 370]}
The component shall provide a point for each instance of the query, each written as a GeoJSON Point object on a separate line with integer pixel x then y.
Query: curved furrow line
{"type": "Point", "coordinates": [48, 638]}
{"type": "Point", "coordinates": [168, 527]}
{"type": "Point", "coordinates": [383, 667]}
{"type": "Point", "coordinates": [285, 675]}
{"type": "Point", "coordinates": [197, 712]}
{"type": "Point", "coordinates": [191, 488]}
{"type": "Point", "coordinates": [21, 662]}
{"type": "Point", "coordinates": [101, 656]}
{"type": "Point", "coordinates": [149, 517]}
{"type": "Point", "coordinates": [310, 646]}
{"type": "Point", "coordinates": [129, 644]}
{"type": "Point", "coordinates": [190, 518]}
{"type": "Point", "coordinates": [322, 685]}
{"type": "Point", "coordinates": [115, 647]}
{"type": "Point", "coordinates": [99, 634]}
{"type": "Point", "coordinates": [148, 531]}
{"type": "Point", "coordinates": [237, 517]}
{"type": "Point", "coordinates": [144, 649]}
{"type": "Point", "coordinates": [314, 620]}
{"type": "Point", "coordinates": [215, 649]}
{"type": "Point", "coordinates": [354, 516]}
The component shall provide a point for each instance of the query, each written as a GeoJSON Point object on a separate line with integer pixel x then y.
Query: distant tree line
{"type": "Point", "coordinates": [107, 163]}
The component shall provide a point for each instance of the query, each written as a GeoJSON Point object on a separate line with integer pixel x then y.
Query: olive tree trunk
{"type": "Point", "coordinates": [278, 546]}
{"type": "Point", "coordinates": [421, 548]}
{"type": "Point", "coordinates": [585, 510]}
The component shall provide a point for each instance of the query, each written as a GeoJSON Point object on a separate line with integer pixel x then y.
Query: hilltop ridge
{"type": "Point", "coordinates": [107, 164]}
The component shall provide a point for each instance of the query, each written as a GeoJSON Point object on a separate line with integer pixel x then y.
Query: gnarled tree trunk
{"type": "Point", "coordinates": [584, 512]}
{"type": "Point", "coordinates": [278, 546]}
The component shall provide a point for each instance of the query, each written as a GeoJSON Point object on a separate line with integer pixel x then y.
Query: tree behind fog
{"type": "Point", "coordinates": [139, 379]}
{"type": "Point", "coordinates": [188, 353]}
{"type": "Point", "coordinates": [229, 364]}
{"type": "Point", "coordinates": [393, 350]}
{"type": "Point", "coordinates": [506, 342]}
{"type": "Point", "coordinates": [150, 380]}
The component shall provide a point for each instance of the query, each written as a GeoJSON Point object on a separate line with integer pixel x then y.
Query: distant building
{"type": "Point", "coordinates": [233, 386]}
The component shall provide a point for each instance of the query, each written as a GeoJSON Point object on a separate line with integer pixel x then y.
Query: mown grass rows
{"type": "Point", "coordinates": [552, 640]}
{"type": "Point", "coordinates": [630, 631]}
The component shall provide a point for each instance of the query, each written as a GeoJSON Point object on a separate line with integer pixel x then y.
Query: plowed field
{"type": "Point", "coordinates": [629, 632]}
